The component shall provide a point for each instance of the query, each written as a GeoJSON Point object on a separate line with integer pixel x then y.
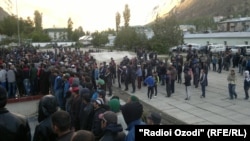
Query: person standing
{"type": "Point", "coordinates": [46, 107]}
{"type": "Point", "coordinates": [108, 81]}
{"type": "Point", "coordinates": [188, 78]}
{"type": "Point", "coordinates": [3, 74]}
{"type": "Point", "coordinates": [139, 76]}
{"type": "Point", "coordinates": [11, 78]}
{"type": "Point", "coordinates": [156, 79]}
{"type": "Point", "coordinates": [150, 83]}
{"type": "Point", "coordinates": [132, 113]}
{"type": "Point", "coordinates": [231, 78]}
{"type": "Point", "coordinates": [132, 77]}
{"type": "Point", "coordinates": [203, 81]}
{"type": "Point", "coordinates": [61, 125]}
{"type": "Point", "coordinates": [112, 130]}
{"type": "Point", "coordinates": [246, 84]}
{"type": "Point", "coordinates": [13, 127]}
{"type": "Point", "coordinates": [168, 83]}
{"type": "Point", "coordinates": [154, 118]}
{"type": "Point", "coordinates": [126, 77]}
{"type": "Point", "coordinates": [220, 61]}
{"type": "Point", "coordinates": [119, 75]}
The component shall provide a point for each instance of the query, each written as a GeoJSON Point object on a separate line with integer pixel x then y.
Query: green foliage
{"type": "Point", "coordinates": [99, 39]}
{"type": "Point", "coordinates": [38, 36]}
{"type": "Point", "coordinates": [129, 39]}
{"type": "Point", "coordinates": [77, 34]}
{"type": "Point", "coordinates": [117, 21]}
{"type": "Point", "coordinates": [38, 20]}
{"type": "Point", "coordinates": [166, 34]}
{"type": "Point", "coordinates": [8, 25]}
{"type": "Point", "coordinates": [70, 29]}
{"type": "Point", "coordinates": [126, 16]}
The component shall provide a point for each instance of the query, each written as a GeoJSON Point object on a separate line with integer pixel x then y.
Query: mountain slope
{"type": "Point", "coordinates": [192, 9]}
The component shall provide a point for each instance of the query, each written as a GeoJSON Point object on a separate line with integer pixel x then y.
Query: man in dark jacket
{"type": "Point", "coordinates": [43, 131]}
{"type": "Point", "coordinates": [61, 125]}
{"type": "Point", "coordinates": [112, 130]}
{"type": "Point", "coordinates": [96, 122]}
{"type": "Point", "coordinates": [86, 113]}
{"type": "Point", "coordinates": [13, 127]}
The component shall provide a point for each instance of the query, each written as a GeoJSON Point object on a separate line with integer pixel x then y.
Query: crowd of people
{"type": "Point", "coordinates": [77, 103]}
{"type": "Point", "coordinates": [78, 99]}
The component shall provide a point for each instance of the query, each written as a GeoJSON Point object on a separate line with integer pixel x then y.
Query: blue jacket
{"type": "Point", "coordinates": [66, 88]}
{"type": "Point", "coordinates": [131, 129]}
{"type": "Point", "coordinates": [58, 83]}
{"type": "Point", "coordinates": [149, 81]}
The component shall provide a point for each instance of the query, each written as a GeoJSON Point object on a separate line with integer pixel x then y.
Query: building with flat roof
{"type": "Point", "coordinates": [227, 38]}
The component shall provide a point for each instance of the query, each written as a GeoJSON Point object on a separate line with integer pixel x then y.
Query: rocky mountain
{"type": "Point", "coordinates": [192, 9]}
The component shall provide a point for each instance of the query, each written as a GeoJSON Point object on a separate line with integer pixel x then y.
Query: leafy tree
{"type": "Point", "coordinates": [77, 33]}
{"type": "Point", "coordinates": [8, 25]}
{"type": "Point", "coordinates": [38, 36]}
{"type": "Point", "coordinates": [70, 29]}
{"type": "Point", "coordinates": [127, 37]}
{"type": "Point", "coordinates": [166, 34]}
{"type": "Point", "coordinates": [99, 38]}
{"type": "Point", "coordinates": [126, 16]}
{"type": "Point", "coordinates": [38, 20]}
{"type": "Point", "coordinates": [117, 21]}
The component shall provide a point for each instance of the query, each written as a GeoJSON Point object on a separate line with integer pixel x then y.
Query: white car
{"type": "Point", "coordinates": [217, 48]}
{"type": "Point", "coordinates": [172, 49]}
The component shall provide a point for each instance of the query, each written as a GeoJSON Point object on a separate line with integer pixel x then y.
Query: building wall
{"type": "Point", "coordinates": [58, 36]}
{"type": "Point", "coordinates": [227, 38]}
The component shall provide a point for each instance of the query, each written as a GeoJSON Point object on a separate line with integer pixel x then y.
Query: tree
{"type": "Point", "coordinates": [117, 21]}
{"type": "Point", "coordinates": [126, 15]}
{"type": "Point", "coordinates": [77, 33]}
{"type": "Point", "coordinates": [167, 33]}
{"type": "Point", "coordinates": [38, 20]}
{"type": "Point", "coordinates": [127, 37]}
{"type": "Point", "coordinates": [8, 25]}
{"type": "Point", "coordinates": [70, 29]}
{"type": "Point", "coordinates": [99, 38]}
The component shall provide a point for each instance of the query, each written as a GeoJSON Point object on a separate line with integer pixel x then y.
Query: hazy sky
{"type": "Point", "coordinates": [92, 15]}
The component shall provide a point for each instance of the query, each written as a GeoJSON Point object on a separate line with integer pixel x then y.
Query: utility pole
{"type": "Point", "coordinates": [18, 29]}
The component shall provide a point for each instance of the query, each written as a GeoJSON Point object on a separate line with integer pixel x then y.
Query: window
{"type": "Point", "coordinates": [246, 42]}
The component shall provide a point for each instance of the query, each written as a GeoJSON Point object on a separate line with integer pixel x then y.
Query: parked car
{"type": "Point", "coordinates": [193, 46]}
{"type": "Point", "coordinates": [241, 49]}
{"type": "Point", "coordinates": [216, 48]}
{"type": "Point", "coordinates": [173, 49]}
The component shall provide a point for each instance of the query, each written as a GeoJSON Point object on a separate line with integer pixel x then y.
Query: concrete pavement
{"type": "Point", "coordinates": [216, 108]}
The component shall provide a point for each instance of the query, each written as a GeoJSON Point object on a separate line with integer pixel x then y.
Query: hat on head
{"type": "Point", "coordinates": [132, 111]}
{"type": "Point", "coordinates": [84, 91]}
{"type": "Point", "coordinates": [134, 98]}
{"type": "Point", "coordinates": [115, 97]}
{"type": "Point", "coordinates": [108, 116]}
{"type": "Point", "coordinates": [100, 81]}
{"type": "Point", "coordinates": [74, 88]}
{"type": "Point", "coordinates": [114, 105]}
{"type": "Point", "coordinates": [155, 117]}
{"type": "Point", "coordinates": [99, 101]}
